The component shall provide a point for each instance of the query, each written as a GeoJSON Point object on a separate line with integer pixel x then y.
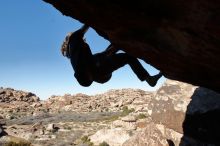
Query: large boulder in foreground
{"type": "Point", "coordinates": [182, 114]}
{"type": "Point", "coordinates": [180, 38]}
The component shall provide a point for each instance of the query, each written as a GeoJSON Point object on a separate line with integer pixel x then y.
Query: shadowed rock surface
{"type": "Point", "coordinates": [180, 38]}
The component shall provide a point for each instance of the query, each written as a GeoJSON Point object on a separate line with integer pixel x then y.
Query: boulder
{"type": "Point", "coordinates": [129, 118]}
{"type": "Point", "coordinates": [114, 137]}
{"type": "Point", "coordinates": [154, 135]}
{"type": "Point", "coordinates": [50, 127]}
{"type": "Point", "coordinates": [11, 95]}
{"type": "Point", "coordinates": [124, 125]}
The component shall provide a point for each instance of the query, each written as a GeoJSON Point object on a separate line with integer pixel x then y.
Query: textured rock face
{"type": "Point", "coordinates": [179, 38]}
{"type": "Point", "coordinates": [170, 104]}
{"type": "Point", "coordinates": [9, 95]}
{"type": "Point", "coordinates": [182, 113]}
{"type": "Point", "coordinates": [16, 103]}
{"type": "Point", "coordinates": [114, 137]}
{"type": "Point", "coordinates": [153, 135]}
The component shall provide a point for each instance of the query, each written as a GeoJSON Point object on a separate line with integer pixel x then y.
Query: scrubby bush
{"type": "Point", "coordinates": [104, 144]}
{"type": "Point", "coordinates": [85, 139]}
{"type": "Point", "coordinates": [141, 116]}
{"type": "Point", "coordinates": [90, 144]}
{"type": "Point", "coordinates": [126, 111]}
{"type": "Point", "coordinates": [20, 143]}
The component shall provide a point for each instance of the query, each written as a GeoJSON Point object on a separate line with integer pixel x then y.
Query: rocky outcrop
{"type": "Point", "coordinates": [177, 37]}
{"type": "Point", "coordinates": [177, 113]}
{"type": "Point", "coordinates": [16, 103]}
{"type": "Point", "coordinates": [9, 95]}
{"type": "Point", "coordinates": [111, 101]}
{"type": "Point", "coordinates": [182, 114]}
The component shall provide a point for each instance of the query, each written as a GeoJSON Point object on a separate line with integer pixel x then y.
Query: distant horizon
{"type": "Point", "coordinates": [31, 35]}
{"type": "Point", "coordinates": [75, 93]}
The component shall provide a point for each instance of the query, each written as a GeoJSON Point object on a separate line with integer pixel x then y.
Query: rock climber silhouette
{"type": "Point", "coordinates": [98, 67]}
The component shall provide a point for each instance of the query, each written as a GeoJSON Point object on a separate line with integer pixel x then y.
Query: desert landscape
{"type": "Point", "coordinates": [123, 117]}
{"type": "Point", "coordinates": [175, 40]}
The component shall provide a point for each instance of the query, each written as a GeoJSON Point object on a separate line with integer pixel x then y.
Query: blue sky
{"type": "Point", "coordinates": [31, 33]}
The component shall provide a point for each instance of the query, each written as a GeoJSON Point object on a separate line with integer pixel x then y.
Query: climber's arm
{"type": "Point", "coordinates": [110, 50]}
{"type": "Point", "coordinates": [84, 29]}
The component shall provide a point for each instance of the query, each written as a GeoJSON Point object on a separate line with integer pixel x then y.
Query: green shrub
{"type": "Point", "coordinates": [67, 127]}
{"type": "Point", "coordinates": [85, 139]}
{"type": "Point", "coordinates": [90, 144]}
{"type": "Point", "coordinates": [104, 144]}
{"type": "Point", "coordinates": [130, 133]}
{"type": "Point", "coordinates": [126, 111]}
{"type": "Point", "coordinates": [20, 143]}
{"type": "Point", "coordinates": [124, 108]}
{"type": "Point", "coordinates": [141, 116]}
{"type": "Point", "coordinates": [112, 118]}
